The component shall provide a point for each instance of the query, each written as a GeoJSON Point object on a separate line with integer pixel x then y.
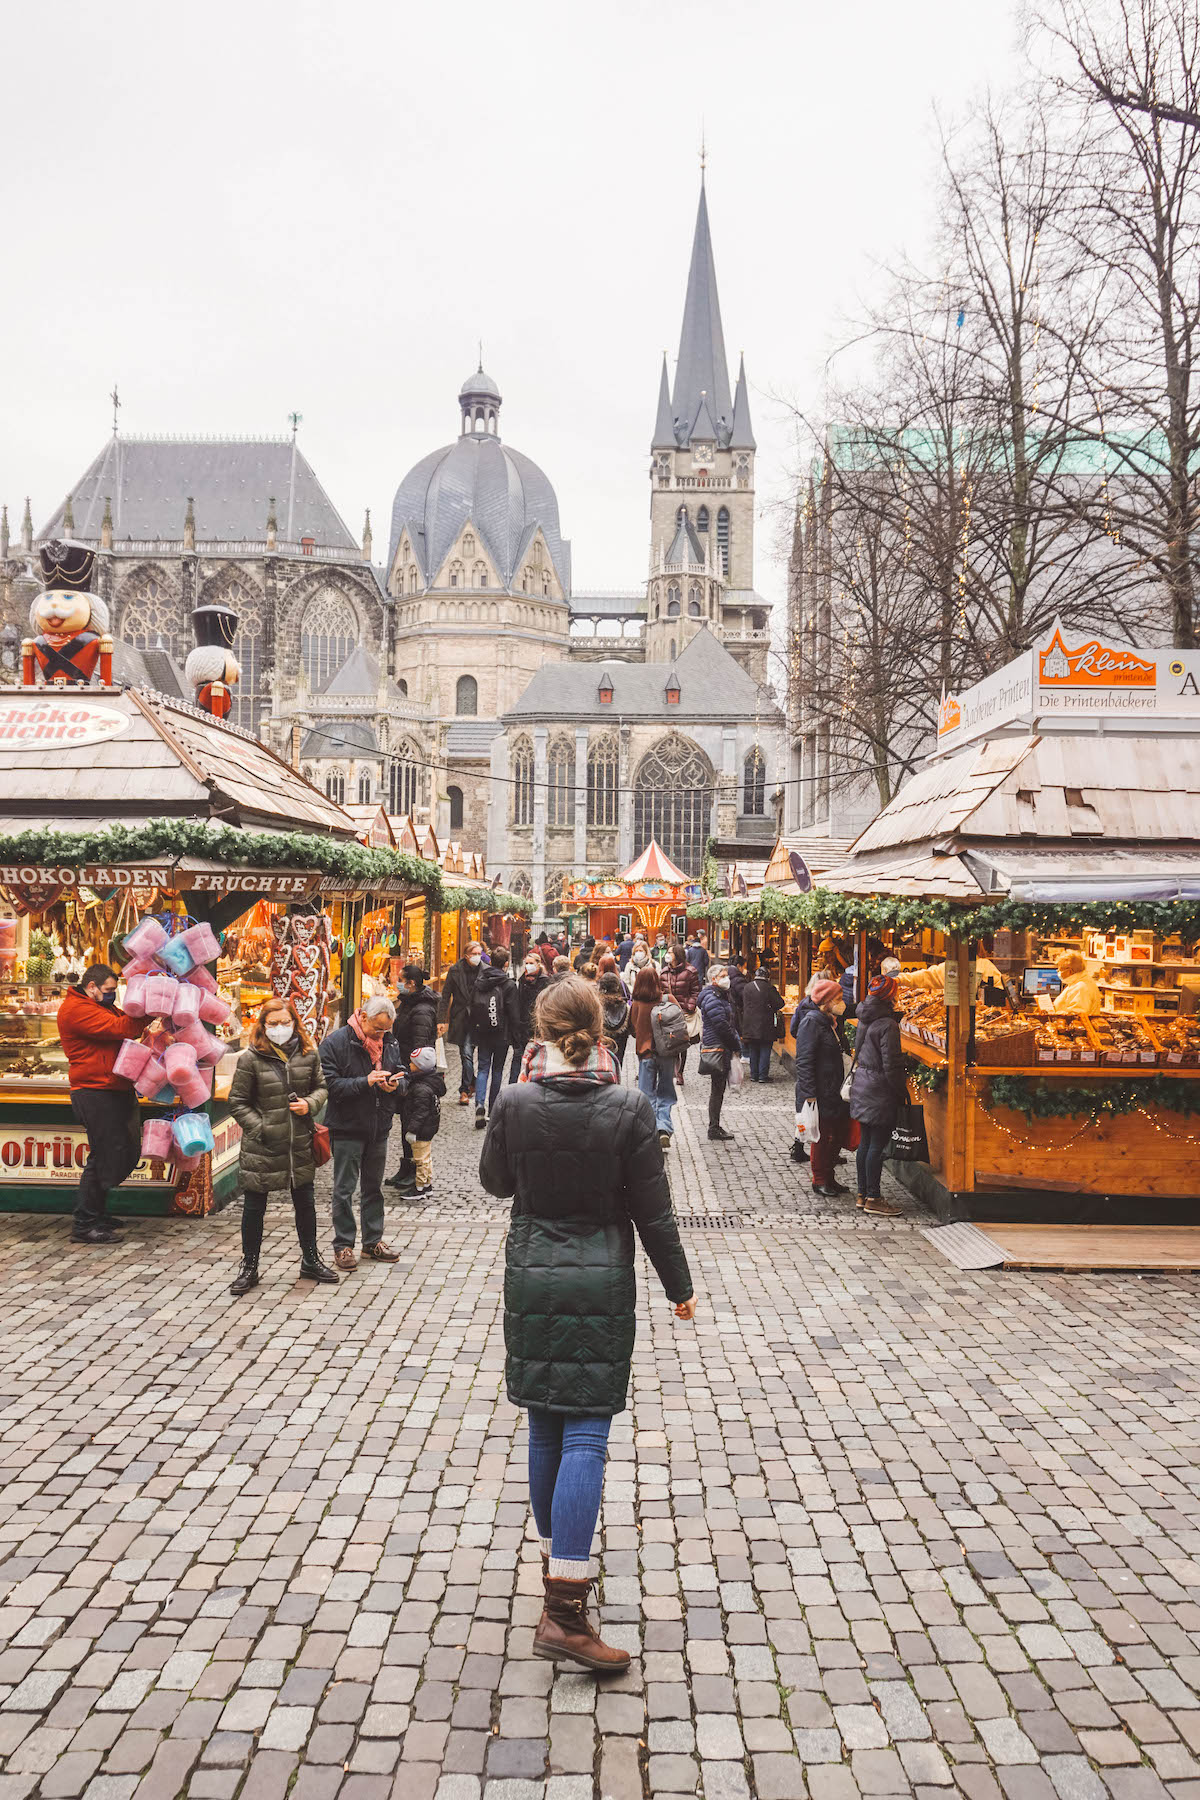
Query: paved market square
{"type": "Point", "coordinates": [874, 1526]}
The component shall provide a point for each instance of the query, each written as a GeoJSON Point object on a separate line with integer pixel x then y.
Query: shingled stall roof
{"type": "Point", "coordinates": [111, 757]}
{"type": "Point", "coordinates": [1057, 818]}
{"type": "Point", "coordinates": [712, 685]}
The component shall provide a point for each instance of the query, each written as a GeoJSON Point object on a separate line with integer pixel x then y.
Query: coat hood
{"type": "Point", "coordinates": [875, 1007]}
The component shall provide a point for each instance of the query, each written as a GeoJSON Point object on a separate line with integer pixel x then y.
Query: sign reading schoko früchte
{"type": "Point", "coordinates": [58, 724]}
{"type": "Point", "coordinates": [1072, 675]}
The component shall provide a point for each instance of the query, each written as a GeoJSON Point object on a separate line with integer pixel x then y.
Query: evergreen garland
{"type": "Point", "coordinates": [484, 900]}
{"type": "Point", "coordinates": [162, 838]}
{"type": "Point", "coordinates": [1070, 1100]}
{"type": "Point", "coordinates": [824, 910]}
{"type": "Point", "coordinates": [926, 1076]}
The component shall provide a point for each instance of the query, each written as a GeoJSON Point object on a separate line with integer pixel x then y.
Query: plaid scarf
{"type": "Point", "coordinates": [546, 1062]}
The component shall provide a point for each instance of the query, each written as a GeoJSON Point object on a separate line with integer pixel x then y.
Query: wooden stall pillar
{"type": "Point", "coordinates": [862, 979]}
{"type": "Point", "coordinates": [805, 959]}
{"type": "Point", "coordinates": [959, 1173]}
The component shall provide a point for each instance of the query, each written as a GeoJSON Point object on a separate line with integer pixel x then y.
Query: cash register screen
{"type": "Point", "coordinates": [1041, 981]}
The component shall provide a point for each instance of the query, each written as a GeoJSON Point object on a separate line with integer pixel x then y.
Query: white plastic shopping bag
{"type": "Point", "coordinates": [737, 1072]}
{"type": "Point", "coordinates": [808, 1123]}
{"type": "Point", "coordinates": [439, 1055]}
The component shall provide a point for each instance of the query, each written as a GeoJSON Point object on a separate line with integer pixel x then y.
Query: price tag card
{"type": "Point", "coordinates": [1146, 1056]}
{"type": "Point", "coordinates": [1174, 1056]}
{"type": "Point", "coordinates": [1063, 1055]}
{"type": "Point", "coordinates": [1087, 1056]}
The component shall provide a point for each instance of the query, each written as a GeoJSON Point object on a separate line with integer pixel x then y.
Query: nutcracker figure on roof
{"type": "Point", "coordinates": [211, 667]}
{"type": "Point", "coordinates": [69, 623]}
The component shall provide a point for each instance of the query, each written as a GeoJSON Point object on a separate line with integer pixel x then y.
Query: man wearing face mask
{"type": "Point", "coordinates": [454, 1015]}
{"type": "Point", "coordinates": [91, 1031]}
{"type": "Point", "coordinates": [820, 1071]}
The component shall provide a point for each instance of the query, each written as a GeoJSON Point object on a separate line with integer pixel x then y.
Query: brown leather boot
{"type": "Point", "coordinates": [566, 1634]}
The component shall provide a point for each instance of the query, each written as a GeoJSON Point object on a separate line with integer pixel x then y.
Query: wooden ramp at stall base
{"type": "Point", "coordinates": [1096, 1246]}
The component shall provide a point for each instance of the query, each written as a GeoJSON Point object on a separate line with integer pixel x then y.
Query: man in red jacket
{"type": "Point", "coordinates": [91, 1031]}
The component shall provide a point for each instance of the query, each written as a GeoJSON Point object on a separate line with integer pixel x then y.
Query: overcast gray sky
{"type": "Point", "coordinates": [241, 209]}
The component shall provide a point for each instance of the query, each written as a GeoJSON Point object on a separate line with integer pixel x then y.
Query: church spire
{"type": "Point", "coordinates": [742, 437]}
{"type": "Point", "coordinates": [664, 423]}
{"type": "Point", "coordinates": [702, 368]}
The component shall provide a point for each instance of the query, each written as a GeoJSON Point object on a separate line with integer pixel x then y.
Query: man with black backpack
{"type": "Point", "coordinates": [494, 1022]}
{"type": "Point", "coordinates": [454, 1015]}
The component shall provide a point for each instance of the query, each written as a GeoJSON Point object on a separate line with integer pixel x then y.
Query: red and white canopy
{"type": "Point", "coordinates": [654, 865]}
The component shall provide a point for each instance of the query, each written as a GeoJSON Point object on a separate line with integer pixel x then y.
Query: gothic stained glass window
{"type": "Point", "coordinates": [520, 883]}
{"type": "Point", "coordinates": [249, 696]}
{"type": "Point", "coordinates": [149, 615]}
{"type": "Point", "coordinates": [364, 790]}
{"type": "Point", "coordinates": [602, 782]}
{"type": "Point", "coordinates": [522, 782]}
{"type": "Point", "coordinates": [403, 779]}
{"type": "Point", "coordinates": [455, 797]}
{"type": "Point", "coordinates": [754, 784]}
{"type": "Point", "coordinates": [466, 697]}
{"type": "Point", "coordinates": [702, 519]}
{"type": "Point", "coordinates": [672, 802]}
{"type": "Point", "coordinates": [328, 635]}
{"type": "Point", "coordinates": [335, 787]}
{"type": "Point", "coordinates": [560, 783]}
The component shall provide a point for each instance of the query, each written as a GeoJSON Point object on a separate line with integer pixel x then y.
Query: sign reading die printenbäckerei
{"type": "Point", "coordinates": [1072, 675]}
{"type": "Point", "coordinates": [58, 722]}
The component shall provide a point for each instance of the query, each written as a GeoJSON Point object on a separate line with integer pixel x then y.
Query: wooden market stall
{"type": "Point", "coordinates": [119, 804]}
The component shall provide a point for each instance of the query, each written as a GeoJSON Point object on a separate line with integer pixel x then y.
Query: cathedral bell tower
{"type": "Point", "coordinates": [702, 488]}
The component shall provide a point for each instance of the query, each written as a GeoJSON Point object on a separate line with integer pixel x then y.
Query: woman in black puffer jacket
{"type": "Point", "coordinates": [820, 1072]}
{"type": "Point", "coordinates": [580, 1153]}
{"type": "Point", "coordinates": [277, 1094]}
{"type": "Point", "coordinates": [877, 1087]}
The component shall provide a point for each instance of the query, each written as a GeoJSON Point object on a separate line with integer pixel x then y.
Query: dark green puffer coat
{"type": "Point", "coordinates": [585, 1166]}
{"type": "Point", "coordinates": [276, 1148]}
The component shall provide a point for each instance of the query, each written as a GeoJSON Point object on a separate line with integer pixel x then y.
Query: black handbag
{"type": "Point", "coordinates": [909, 1143]}
{"type": "Point", "coordinates": [712, 1062]}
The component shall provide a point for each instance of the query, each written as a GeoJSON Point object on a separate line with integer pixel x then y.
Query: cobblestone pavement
{"type": "Point", "coordinates": [872, 1526]}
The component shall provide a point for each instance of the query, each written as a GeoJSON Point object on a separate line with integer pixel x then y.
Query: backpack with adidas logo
{"type": "Point", "coordinates": [487, 1004]}
{"type": "Point", "coordinates": [669, 1027]}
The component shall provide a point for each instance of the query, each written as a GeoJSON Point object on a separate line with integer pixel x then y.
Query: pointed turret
{"type": "Point", "coordinates": [702, 367]}
{"type": "Point", "coordinates": [106, 524]}
{"type": "Point", "coordinates": [664, 423]}
{"type": "Point", "coordinates": [69, 514]}
{"type": "Point", "coordinates": [27, 527]}
{"type": "Point", "coordinates": [704, 430]}
{"type": "Point", "coordinates": [189, 525]}
{"type": "Point", "coordinates": [366, 537]}
{"type": "Point", "coordinates": [272, 523]}
{"type": "Point", "coordinates": [743, 435]}
{"type": "Point", "coordinates": [3, 533]}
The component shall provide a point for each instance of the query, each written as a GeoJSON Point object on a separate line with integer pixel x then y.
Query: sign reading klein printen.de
{"type": "Point", "coordinates": [1093, 681]}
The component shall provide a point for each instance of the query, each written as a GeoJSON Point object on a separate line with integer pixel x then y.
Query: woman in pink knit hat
{"type": "Point", "coordinates": [820, 1071]}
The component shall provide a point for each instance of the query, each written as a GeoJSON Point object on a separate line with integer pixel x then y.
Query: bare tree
{"type": "Point", "coordinates": [1135, 80]}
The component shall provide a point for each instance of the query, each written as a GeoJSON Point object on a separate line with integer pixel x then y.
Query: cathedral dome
{"type": "Point", "coordinates": [478, 479]}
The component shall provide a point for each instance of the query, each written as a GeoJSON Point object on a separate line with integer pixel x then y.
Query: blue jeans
{"type": "Point", "coordinates": [566, 1477]}
{"type": "Point", "coordinates": [466, 1050]}
{"type": "Point", "coordinates": [491, 1062]}
{"type": "Point", "coordinates": [656, 1079]}
{"type": "Point", "coordinates": [873, 1141]}
{"type": "Point", "coordinates": [760, 1061]}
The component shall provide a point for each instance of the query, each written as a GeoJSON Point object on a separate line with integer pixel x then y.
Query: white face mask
{"type": "Point", "coordinates": [839, 1009]}
{"type": "Point", "coordinates": [281, 1034]}
{"type": "Point", "coordinates": [722, 981]}
{"type": "Point", "coordinates": [639, 956]}
{"type": "Point", "coordinates": [475, 961]}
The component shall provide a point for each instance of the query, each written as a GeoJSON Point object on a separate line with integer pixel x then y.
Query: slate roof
{"type": "Point", "coordinates": [701, 369]}
{"type": "Point", "coordinates": [686, 547]}
{"type": "Point", "coordinates": [610, 604]}
{"type": "Point", "coordinates": [230, 480]}
{"type": "Point", "coordinates": [503, 493]}
{"type": "Point", "coordinates": [358, 676]}
{"type": "Point", "coordinates": [156, 669]}
{"type": "Point", "coordinates": [711, 686]}
{"type": "Point", "coordinates": [341, 737]}
{"type": "Point", "coordinates": [471, 737]}
{"type": "Point", "coordinates": [742, 437]}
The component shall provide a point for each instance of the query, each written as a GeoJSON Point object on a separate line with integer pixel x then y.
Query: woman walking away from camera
{"type": "Point", "coordinates": [579, 1154]}
{"type": "Point", "coordinates": [718, 1033]}
{"type": "Point", "coordinates": [656, 1067]}
{"type": "Point", "coordinates": [820, 1072]}
{"type": "Point", "coordinates": [277, 1092]}
{"type": "Point", "coordinates": [877, 1089]}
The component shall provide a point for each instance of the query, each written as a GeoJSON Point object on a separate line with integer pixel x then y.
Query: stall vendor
{"type": "Point", "coordinates": [1079, 992]}
{"type": "Point", "coordinates": [91, 1031]}
{"type": "Point", "coordinates": [933, 979]}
